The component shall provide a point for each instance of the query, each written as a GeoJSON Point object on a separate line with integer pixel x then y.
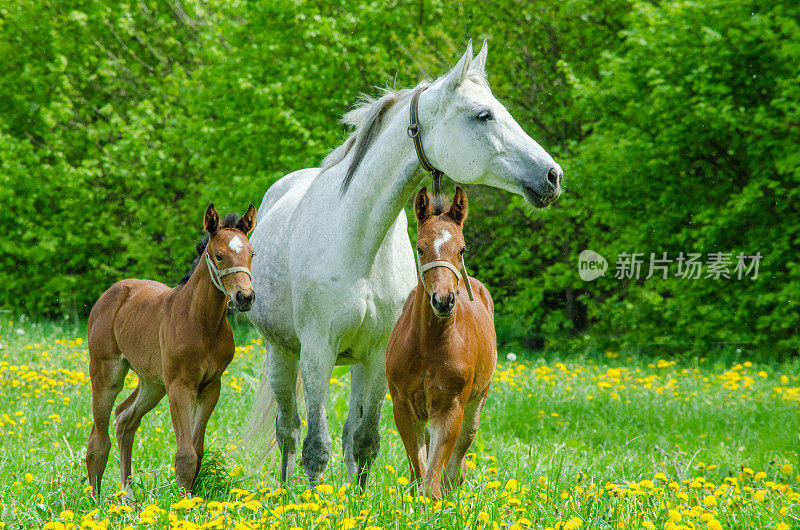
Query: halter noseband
{"type": "Point", "coordinates": [460, 274]}
{"type": "Point", "coordinates": [217, 275]}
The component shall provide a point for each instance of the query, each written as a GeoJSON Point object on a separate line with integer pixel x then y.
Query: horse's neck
{"type": "Point", "coordinates": [203, 301]}
{"type": "Point", "coordinates": [385, 180]}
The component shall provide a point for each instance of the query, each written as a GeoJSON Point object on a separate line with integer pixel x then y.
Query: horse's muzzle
{"type": "Point", "coordinates": [244, 301]}
{"type": "Point", "coordinates": [443, 306]}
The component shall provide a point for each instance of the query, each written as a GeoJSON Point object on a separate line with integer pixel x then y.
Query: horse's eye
{"type": "Point", "coordinates": [463, 250]}
{"type": "Point", "coordinates": [419, 251]}
{"type": "Point", "coordinates": [218, 256]}
{"type": "Point", "coordinates": [484, 115]}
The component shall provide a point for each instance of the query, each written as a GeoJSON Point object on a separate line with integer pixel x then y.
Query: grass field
{"type": "Point", "coordinates": [574, 442]}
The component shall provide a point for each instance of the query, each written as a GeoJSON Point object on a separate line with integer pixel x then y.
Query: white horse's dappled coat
{"type": "Point", "coordinates": [334, 264]}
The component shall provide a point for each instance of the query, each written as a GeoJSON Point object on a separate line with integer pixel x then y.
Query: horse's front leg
{"type": "Point", "coordinates": [353, 418]}
{"type": "Point", "coordinates": [367, 437]}
{"type": "Point", "coordinates": [445, 427]}
{"type": "Point", "coordinates": [316, 366]}
{"type": "Point", "coordinates": [206, 402]}
{"type": "Point", "coordinates": [182, 396]}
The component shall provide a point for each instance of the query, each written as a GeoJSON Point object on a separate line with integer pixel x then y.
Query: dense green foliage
{"type": "Point", "coordinates": [677, 124]}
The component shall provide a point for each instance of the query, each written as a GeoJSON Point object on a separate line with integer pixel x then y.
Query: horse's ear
{"type": "Point", "coordinates": [479, 62]}
{"type": "Point", "coordinates": [458, 208]}
{"type": "Point", "coordinates": [422, 205]}
{"type": "Point", "coordinates": [248, 221]}
{"type": "Point", "coordinates": [459, 72]}
{"type": "Point", "coordinates": [211, 221]}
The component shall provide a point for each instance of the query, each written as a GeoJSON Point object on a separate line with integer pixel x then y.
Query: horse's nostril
{"type": "Point", "coordinates": [554, 177]}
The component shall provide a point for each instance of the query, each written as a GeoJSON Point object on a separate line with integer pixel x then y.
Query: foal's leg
{"type": "Point", "coordinates": [107, 372]}
{"type": "Point", "coordinates": [445, 427]}
{"type": "Point", "coordinates": [182, 396]}
{"type": "Point", "coordinates": [367, 437]}
{"type": "Point", "coordinates": [412, 431]}
{"type": "Point", "coordinates": [353, 417]}
{"type": "Point", "coordinates": [456, 468]}
{"type": "Point", "coordinates": [316, 364]}
{"type": "Point", "coordinates": [206, 402]}
{"type": "Point", "coordinates": [283, 381]}
{"type": "Point", "coordinates": [147, 395]}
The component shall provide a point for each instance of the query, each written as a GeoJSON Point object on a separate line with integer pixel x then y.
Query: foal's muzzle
{"type": "Point", "coordinates": [244, 301]}
{"type": "Point", "coordinates": [443, 306]}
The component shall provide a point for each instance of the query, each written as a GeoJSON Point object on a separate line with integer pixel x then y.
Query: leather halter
{"type": "Point", "coordinates": [217, 275]}
{"type": "Point", "coordinates": [415, 133]}
{"type": "Point", "coordinates": [460, 274]}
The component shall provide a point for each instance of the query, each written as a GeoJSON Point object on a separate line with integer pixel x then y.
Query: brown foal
{"type": "Point", "coordinates": [178, 341]}
{"type": "Point", "coordinates": [442, 351]}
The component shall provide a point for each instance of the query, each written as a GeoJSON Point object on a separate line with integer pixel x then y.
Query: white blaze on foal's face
{"type": "Point", "coordinates": [441, 240]}
{"type": "Point", "coordinates": [235, 244]}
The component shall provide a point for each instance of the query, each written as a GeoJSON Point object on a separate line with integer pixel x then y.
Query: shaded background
{"type": "Point", "coordinates": [677, 125]}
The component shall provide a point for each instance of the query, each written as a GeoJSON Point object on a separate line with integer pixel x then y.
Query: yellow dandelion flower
{"type": "Point", "coordinates": [347, 523]}
{"type": "Point", "coordinates": [402, 481]}
{"type": "Point", "coordinates": [325, 489]}
{"type": "Point", "coordinates": [648, 525]}
{"type": "Point", "coordinates": [781, 526]}
{"type": "Point", "coordinates": [710, 500]}
{"type": "Point", "coordinates": [573, 523]}
{"type": "Point", "coordinates": [390, 468]}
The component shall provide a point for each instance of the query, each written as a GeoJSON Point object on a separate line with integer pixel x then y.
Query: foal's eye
{"type": "Point", "coordinates": [419, 251]}
{"type": "Point", "coordinates": [463, 250]}
{"type": "Point", "coordinates": [484, 115]}
{"type": "Point", "coordinates": [218, 256]}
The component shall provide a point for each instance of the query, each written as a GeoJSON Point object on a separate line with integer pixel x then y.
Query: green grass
{"type": "Point", "coordinates": [564, 443]}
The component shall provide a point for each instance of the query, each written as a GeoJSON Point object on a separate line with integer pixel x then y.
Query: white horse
{"type": "Point", "coordinates": [334, 264]}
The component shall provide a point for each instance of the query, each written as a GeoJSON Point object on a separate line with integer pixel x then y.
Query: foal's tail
{"type": "Point", "coordinates": [259, 432]}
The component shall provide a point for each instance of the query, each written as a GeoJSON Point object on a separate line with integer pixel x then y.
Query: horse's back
{"type": "Point", "coordinates": [297, 181]}
{"type": "Point", "coordinates": [126, 319]}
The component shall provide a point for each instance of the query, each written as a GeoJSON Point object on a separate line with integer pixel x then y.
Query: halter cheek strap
{"type": "Point", "coordinates": [415, 133]}
{"type": "Point", "coordinates": [217, 275]}
{"type": "Point", "coordinates": [460, 274]}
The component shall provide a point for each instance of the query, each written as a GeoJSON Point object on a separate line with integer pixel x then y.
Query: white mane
{"type": "Point", "coordinates": [366, 119]}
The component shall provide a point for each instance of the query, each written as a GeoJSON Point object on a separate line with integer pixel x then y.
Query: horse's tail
{"type": "Point", "coordinates": [259, 432]}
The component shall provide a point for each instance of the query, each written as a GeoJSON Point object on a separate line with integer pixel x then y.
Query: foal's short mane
{"type": "Point", "coordinates": [367, 118]}
{"type": "Point", "coordinates": [439, 204]}
{"type": "Point", "coordinates": [229, 222]}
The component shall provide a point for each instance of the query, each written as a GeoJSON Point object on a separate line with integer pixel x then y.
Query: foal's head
{"type": "Point", "coordinates": [440, 239]}
{"type": "Point", "coordinates": [229, 248]}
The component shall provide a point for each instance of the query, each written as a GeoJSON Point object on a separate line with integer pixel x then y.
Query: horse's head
{"type": "Point", "coordinates": [229, 255]}
{"type": "Point", "coordinates": [472, 138]}
{"type": "Point", "coordinates": [440, 248]}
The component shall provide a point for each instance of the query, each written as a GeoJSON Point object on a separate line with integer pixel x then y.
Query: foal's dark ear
{"type": "Point", "coordinates": [211, 221]}
{"type": "Point", "coordinates": [458, 209]}
{"type": "Point", "coordinates": [248, 221]}
{"type": "Point", "coordinates": [422, 205]}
